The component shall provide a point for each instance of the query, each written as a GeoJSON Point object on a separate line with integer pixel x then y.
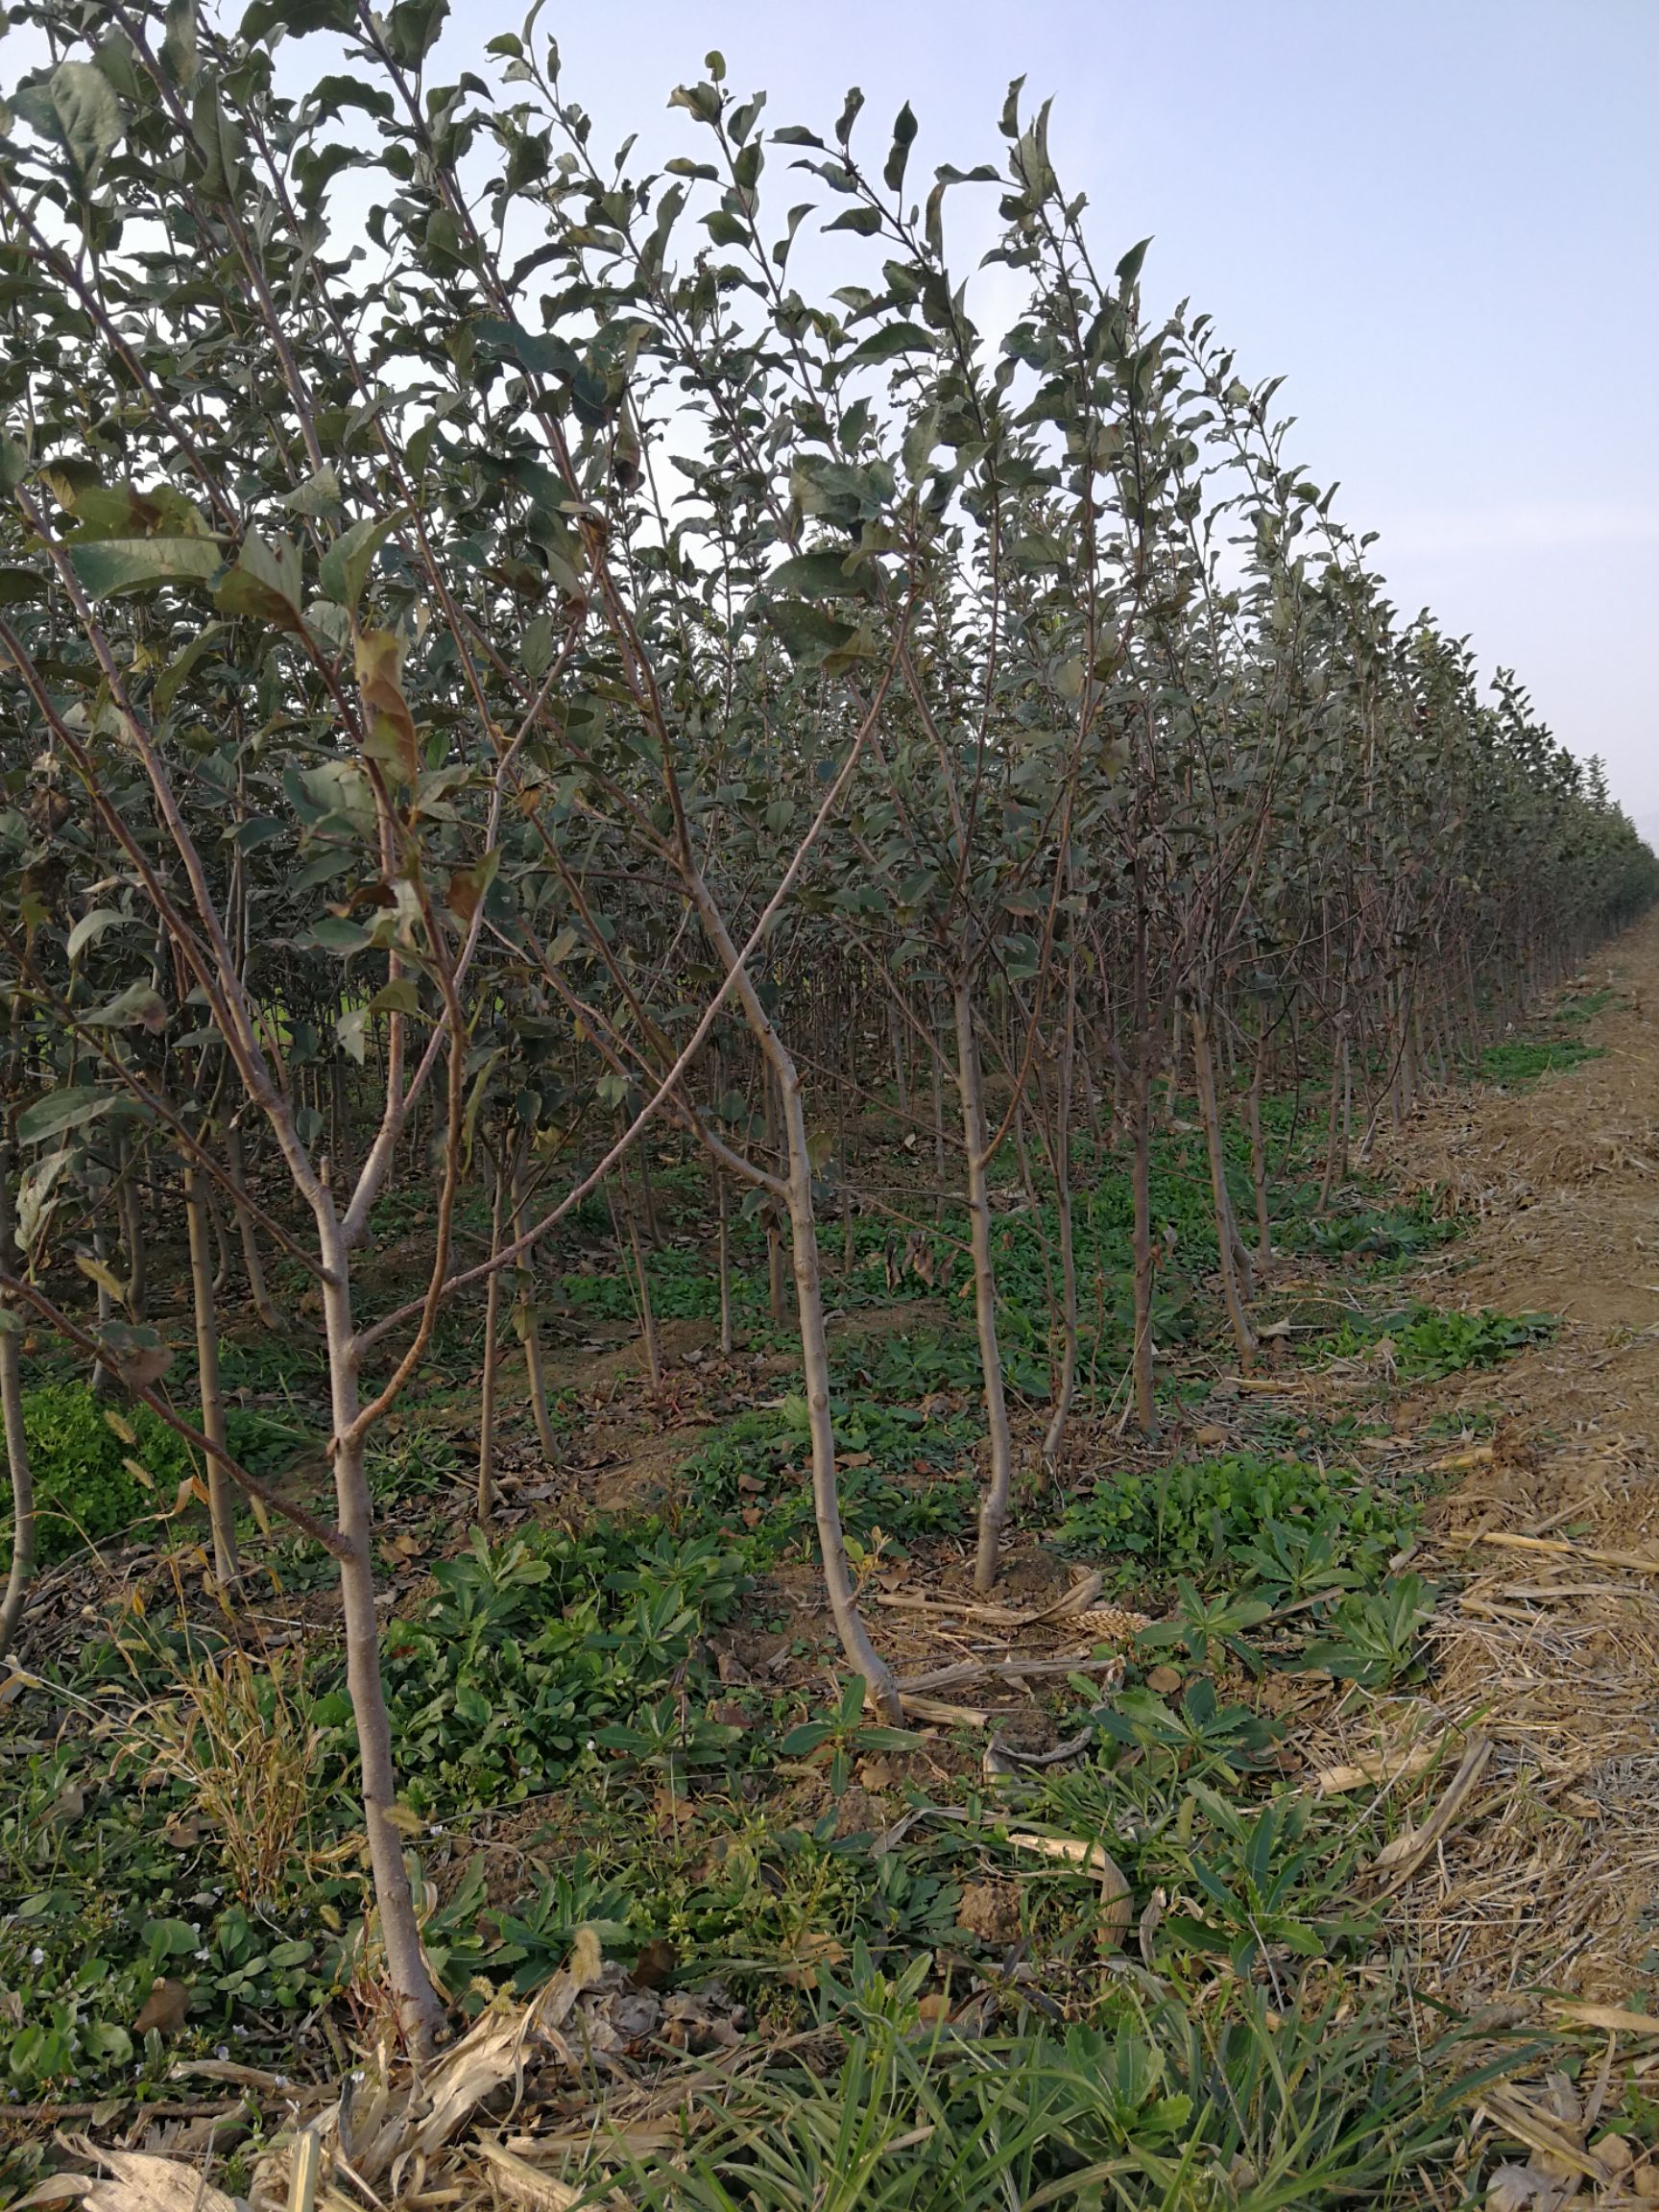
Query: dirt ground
{"type": "Point", "coordinates": [1550, 1648]}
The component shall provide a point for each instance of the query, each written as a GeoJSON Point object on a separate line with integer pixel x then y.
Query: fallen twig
{"type": "Point", "coordinates": [1401, 1859]}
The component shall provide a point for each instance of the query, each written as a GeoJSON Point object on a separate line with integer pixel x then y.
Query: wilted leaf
{"type": "Point", "coordinates": [468, 886]}
{"type": "Point", "coordinates": [99, 1271]}
{"type": "Point", "coordinates": [389, 733]}
{"type": "Point", "coordinates": [164, 2009]}
{"type": "Point", "coordinates": [139, 1005]}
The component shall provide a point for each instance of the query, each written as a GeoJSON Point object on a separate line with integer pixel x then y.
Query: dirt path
{"type": "Point", "coordinates": [1551, 1645]}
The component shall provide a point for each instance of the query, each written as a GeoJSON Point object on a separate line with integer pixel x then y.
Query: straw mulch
{"type": "Point", "coordinates": [1548, 1642]}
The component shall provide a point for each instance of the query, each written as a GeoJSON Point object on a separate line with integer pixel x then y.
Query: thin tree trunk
{"type": "Point", "coordinates": [815, 1365]}
{"type": "Point", "coordinates": [839, 1586]}
{"type": "Point", "coordinates": [221, 1247]}
{"type": "Point", "coordinates": [776, 1298]}
{"type": "Point", "coordinates": [1172, 1088]}
{"type": "Point", "coordinates": [339, 1121]}
{"type": "Point", "coordinates": [1233, 1293]}
{"type": "Point", "coordinates": [221, 1496]}
{"type": "Point", "coordinates": [621, 1206]}
{"type": "Point", "coordinates": [131, 1207]}
{"type": "Point", "coordinates": [17, 1442]}
{"type": "Point", "coordinates": [264, 1305]}
{"type": "Point", "coordinates": [724, 1203]}
{"type": "Point", "coordinates": [936, 1065]}
{"type": "Point", "coordinates": [1141, 1181]}
{"type": "Point", "coordinates": [900, 1077]}
{"type": "Point", "coordinates": [420, 2009]}
{"type": "Point", "coordinates": [529, 1322]}
{"type": "Point", "coordinates": [1335, 1161]}
{"type": "Point", "coordinates": [1000, 1488]}
{"type": "Point", "coordinates": [648, 1197]}
{"type": "Point", "coordinates": [103, 1381]}
{"type": "Point", "coordinates": [1064, 1389]}
{"type": "Point", "coordinates": [487, 1385]}
{"type": "Point", "coordinates": [1259, 1158]}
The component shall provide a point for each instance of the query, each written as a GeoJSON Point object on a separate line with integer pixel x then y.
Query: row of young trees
{"type": "Point", "coordinates": [502, 655]}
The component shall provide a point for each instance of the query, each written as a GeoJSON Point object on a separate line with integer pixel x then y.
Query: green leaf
{"type": "Point", "coordinates": [816, 576]}
{"type": "Point", "coordinates": [219, 141]}
{"type": "Point", "coordinates": [1129, 268]}
{"type": "Point", "coordinates": [848, 114]}
{"type": "Point", "coordinates": [345, 568]}
{"type": "Point", "coordinates": [71, 1108]}
{"type": "Point", "coordinates": [297, 17]}
{"type": "Point", "coordinates": [808, 1738]}
{"type": "Point", "coordinates": [543, 352]}
{"type": "Point", "coordinates": [401, 996]}
{"type": "Point", "coordinates": [809, 635]}
{"type": "Point", "coordinates": [319, 494]}
{"type": "Point", "coordinates": [167, 683]}
{"type": "Point", "coordinates": [889, 342]}
{"type": "Point", "coordinates": [264, 584]}
{"type": "Point", "coordinates": [115, 564]}
{"type": "Point", "coordinates": [140, 1005]}
{"type": "Point", "coordinates": [330, 94]}
{"type": "Point", "coordinates": [903, 139]}
{"type": "Point", "coordinates": [18, 585]}
{"type": "Point", "coordinates": [106, 2042]}
{"type": "Point", "coordinates": [470, 1704]}
{"type": "Point", "coordinates": [351, 1031]}
{"type": "Point", "coordinates": [865, 221]}
{"type": "Point", "coordinates": [703, 101]}
{"type": "Point", "coordinates": [413, 26]}
{"type": "Point", "coordinates": [335, 934]}
{"type": "Point", "coordinates": [170, 1939]}
{"type": "Point", "coordinates": [91, 926]}
{"type": "Point", "coordinates": [89, 116]}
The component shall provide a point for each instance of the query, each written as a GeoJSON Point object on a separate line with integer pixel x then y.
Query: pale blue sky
{"type": "Point", "coordinates": [1437, 218]}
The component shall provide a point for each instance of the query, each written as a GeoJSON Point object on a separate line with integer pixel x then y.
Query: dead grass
{"type": "Point", "coordinates": [1550, 1646]}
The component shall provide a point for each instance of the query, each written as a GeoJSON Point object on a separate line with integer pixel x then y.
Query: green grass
{"type": "Point", "coordinates": [1513, 1065]}
{"type": "Point", "coordinates": [899, 1467]}
{"type": "Point", "coordinates": [1258, 2104]}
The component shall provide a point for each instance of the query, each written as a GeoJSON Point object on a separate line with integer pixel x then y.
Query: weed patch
{"type": "Point", "coordinates": [532, 1647]}
{"type": "Point", "coordinates": [1426, 1344]}
{"type": "Point", "coordinates": [1237, 1517]}
{"type": "Point", "coordinates": [100, 1470]}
